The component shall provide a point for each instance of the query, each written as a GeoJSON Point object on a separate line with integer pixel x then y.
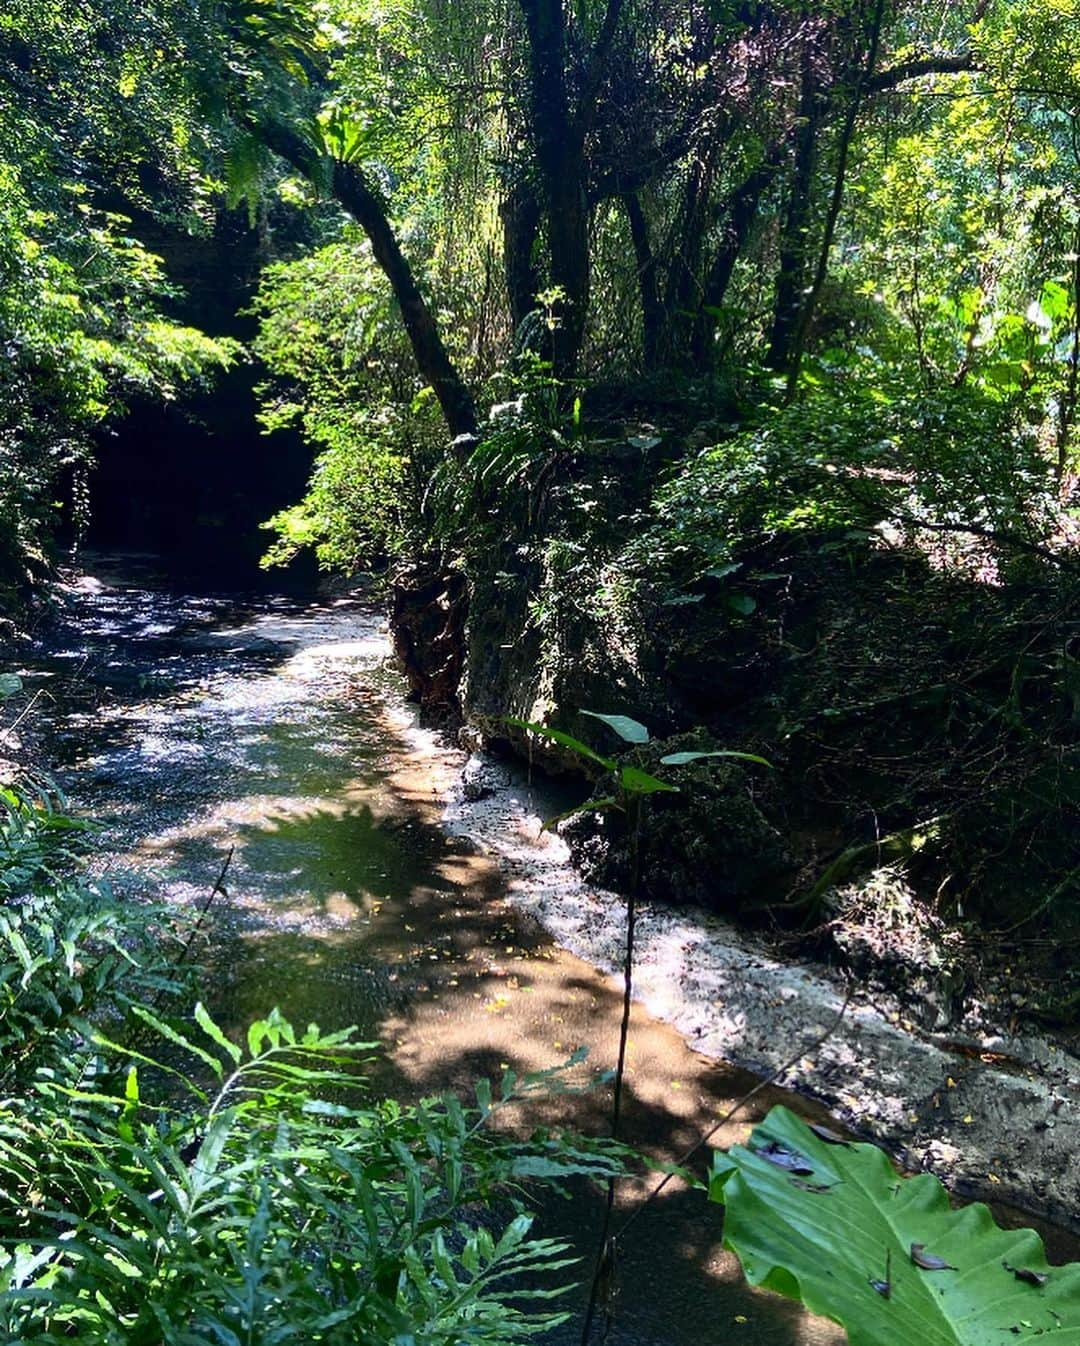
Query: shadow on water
{"type": "Point", "coordinates": [277, 732]}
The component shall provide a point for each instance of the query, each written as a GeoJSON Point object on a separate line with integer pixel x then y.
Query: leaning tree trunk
{"type": "Point", "coordinates": [352, 190]}
{"type": "Point", "coordinates": [652, 314]}
{"type": "Point", "coordinates": [740, 213]}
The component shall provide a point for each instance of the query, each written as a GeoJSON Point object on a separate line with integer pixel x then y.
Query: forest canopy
{"type": "Point", "coordinates": [867, 211]}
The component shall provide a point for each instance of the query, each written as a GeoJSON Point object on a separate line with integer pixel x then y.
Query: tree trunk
{"type": "Point", "coordinates": [741, 212]}
{"type": "Point", "coordinates": [836, 201]}
{"type": "Point", "coordinates": [520, 214]}
{"type": "Point", "coordinates": [684, 245]}
{"type": "Point", "coordinates": [651, 311]}
{"type": "Point", "coordinates": [794, 241]}
{"type": "Point", "coordinates": [561, 160]}
{"type": "Point", "coordinates": [351, 189]}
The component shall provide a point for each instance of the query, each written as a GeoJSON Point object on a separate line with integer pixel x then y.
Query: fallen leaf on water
{"type": "Point", "coordinates": [928, 1261]}
{"type": "Point", "coordinates": [1027, 1275]}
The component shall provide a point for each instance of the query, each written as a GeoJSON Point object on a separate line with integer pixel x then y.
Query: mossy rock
{"type": "Point", "coordinates": [708, 845]}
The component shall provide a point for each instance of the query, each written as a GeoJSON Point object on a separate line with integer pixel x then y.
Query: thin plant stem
{"type": "Point", "coordinates": [604, 1270]}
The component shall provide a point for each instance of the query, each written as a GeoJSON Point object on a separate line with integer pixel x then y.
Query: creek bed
{"type": "Point", "coordinates": [195, 725]}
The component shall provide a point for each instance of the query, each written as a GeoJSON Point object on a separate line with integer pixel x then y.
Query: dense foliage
{"type": "Point", "coordinates": [731, 205]}
{"type": "Point", "coordinates": [161, 1181]}
{"type": "Point", "coordinates": [94, 134]}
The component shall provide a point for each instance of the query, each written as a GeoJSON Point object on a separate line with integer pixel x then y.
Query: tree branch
{"type": "Point", "coordinates": [594, 69]}
{"type": "Point", "coordinates": [926, 65]}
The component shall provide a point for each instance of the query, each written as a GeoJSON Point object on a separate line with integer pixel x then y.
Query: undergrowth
{"type": "Point", "coordinates": [163, 1183]}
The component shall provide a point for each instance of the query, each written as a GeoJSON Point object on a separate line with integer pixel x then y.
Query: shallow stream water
{"type": "Point", "coordinates": [194, 726]}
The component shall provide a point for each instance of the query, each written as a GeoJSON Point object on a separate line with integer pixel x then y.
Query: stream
{"type": "Point", "coordinates": [192, 725]}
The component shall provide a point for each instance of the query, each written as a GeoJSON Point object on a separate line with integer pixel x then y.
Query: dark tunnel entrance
{"type": "Point", "coordinates": [191, 481]}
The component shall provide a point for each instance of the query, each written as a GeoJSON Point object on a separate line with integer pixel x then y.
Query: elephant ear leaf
{"type": "Point", "coordinates": [950, 1275]}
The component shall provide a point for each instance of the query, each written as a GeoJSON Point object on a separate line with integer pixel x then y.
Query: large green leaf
{"type": "Point", "coordinates": [826, 1236]}
{"type": "Point", "coordinates": [631, 731]}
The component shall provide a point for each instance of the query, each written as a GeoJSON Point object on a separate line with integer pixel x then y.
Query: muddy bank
{"type": "Point", "coordinates": [919, 713]}
{"type": "Point", "coordinates": [991, 1112]}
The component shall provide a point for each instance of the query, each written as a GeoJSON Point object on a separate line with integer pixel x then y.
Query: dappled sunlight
{"type": "Point", "coordinates": [280, 741]}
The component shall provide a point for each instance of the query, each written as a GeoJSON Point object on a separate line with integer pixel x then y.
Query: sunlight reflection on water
{"type": "Point", "coordinates": [192, 726]}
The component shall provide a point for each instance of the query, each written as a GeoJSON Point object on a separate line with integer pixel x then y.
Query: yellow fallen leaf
{"type": "Point", "coordinates": [968, 1119]}
{"type": "Point", "coordinates": [950, 1083]}
{"type": "Point", "coordinates": [741, 1318]}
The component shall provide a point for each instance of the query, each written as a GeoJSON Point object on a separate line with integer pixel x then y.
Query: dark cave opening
{"type": "Point", "coordinates": [192, 481]}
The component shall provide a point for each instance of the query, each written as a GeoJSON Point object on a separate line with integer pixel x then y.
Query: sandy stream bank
{"type": "Point", "coordinates": [992, 1113]}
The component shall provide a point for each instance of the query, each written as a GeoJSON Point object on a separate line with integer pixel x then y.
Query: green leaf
{"type": "Point", "coordinates": [685, 758]}
{"type": "Point", "coordinates": [212, 1031]}
{"type": "Point", "coordinates": [1055, 300]}
{"type": "Point", "coordinates": [178, 1039]}
{"type": "Point", "coordinates": [638, 782]}
{"type": "Point", "coordinates": [825, 1238]}
{"type": "Point", "coordinates": [632, 731]}
{"type": "Point", "coordinates": [563, 739]}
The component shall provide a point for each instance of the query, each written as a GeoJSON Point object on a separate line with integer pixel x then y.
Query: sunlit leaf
{"type": "Point", "coordinates": [631, 731]}
{"type": "Point", "coordinates": [563, 739]}
{"type": "Point", "coordinates": [638, 782]}
{"type": "Point", "coordinates": [831, 1253]}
